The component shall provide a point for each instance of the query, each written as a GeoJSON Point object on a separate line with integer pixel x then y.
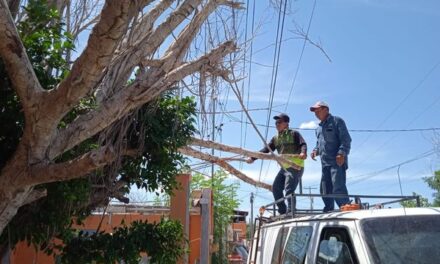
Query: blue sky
{"type": "Point", "coordinates": [384, 74]}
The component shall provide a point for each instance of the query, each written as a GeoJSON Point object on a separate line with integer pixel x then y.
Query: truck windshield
{"type": "Point", "coordinates": [405, 239]}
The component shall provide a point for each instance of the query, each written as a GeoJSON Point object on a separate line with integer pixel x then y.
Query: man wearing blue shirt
{"type": "Point", "coordinates": [333, 145]}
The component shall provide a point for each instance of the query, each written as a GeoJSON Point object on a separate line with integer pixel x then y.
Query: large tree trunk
{"type": "Point", "coordinates": [117, 45]}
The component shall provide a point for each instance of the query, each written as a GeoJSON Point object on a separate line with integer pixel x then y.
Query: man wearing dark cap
{"type": "Point", "coordinates": [292, 147]}
{"type": "Point", "coordinates": [333, 145]}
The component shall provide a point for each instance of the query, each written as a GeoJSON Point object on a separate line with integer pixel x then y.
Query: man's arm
{"type": "Point", "coordinates": [344, 138]}
{"type": "Point", "coordinates": [302, 143]}
{"type": "Point", "coordinates": [315, 151]}
{"type": "Point", "coordinates": [271, 145]}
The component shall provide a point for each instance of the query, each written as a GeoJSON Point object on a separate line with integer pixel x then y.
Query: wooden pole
{"type": "Point", "coordinates": [205, 203]}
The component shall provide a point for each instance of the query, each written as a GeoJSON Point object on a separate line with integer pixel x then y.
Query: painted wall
{"type": "Point", "coordinates": [179, 210]}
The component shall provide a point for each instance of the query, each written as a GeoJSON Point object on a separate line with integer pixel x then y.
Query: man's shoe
{"type": "Point", "coordinates": [281, 212]}
{"type": "Point", "coordinates": [327, 210]}
{"type": "Point", "coordinates": [289, 213]}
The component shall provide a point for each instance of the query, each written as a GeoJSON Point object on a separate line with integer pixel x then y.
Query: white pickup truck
{"type": "Point", "coordinates": [381, 236]}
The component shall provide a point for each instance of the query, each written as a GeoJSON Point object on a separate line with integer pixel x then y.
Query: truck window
{"type": "Point", "coordinates": [279, 245]}
{"type": "Point", "coordinates": [404, 239]}
{"type": "Point", "coordinates": [297, 244]}
{"type": "Point", "coordinates": [335, 247]}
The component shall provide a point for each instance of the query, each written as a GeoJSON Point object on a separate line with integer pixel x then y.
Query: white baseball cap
{"type": "Point", "coordinates": [318, 105]}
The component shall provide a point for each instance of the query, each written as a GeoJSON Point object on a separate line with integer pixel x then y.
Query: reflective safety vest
{"type": "Point", "coordinates": [293, 158]}
{"type": "Point", "coordinates": [288, 146]}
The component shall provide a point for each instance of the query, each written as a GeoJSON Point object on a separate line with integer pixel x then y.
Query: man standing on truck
{"type": "Point", "coordinates": [292, 147]}
{"type": "Point", "coordinates": [333, 145]}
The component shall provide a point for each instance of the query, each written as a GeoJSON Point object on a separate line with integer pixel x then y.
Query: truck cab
{"type": "Point", "coordinates": [397, 235]}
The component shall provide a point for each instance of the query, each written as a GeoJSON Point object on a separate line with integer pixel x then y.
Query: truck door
{"type": "Point", "coordinates": [297, 244]}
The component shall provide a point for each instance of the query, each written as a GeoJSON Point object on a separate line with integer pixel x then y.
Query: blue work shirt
{"type": "Point", "coordinates": [332, 139]}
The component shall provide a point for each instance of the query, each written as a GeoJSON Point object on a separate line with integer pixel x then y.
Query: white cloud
{"type": "Point", "coordinates": [310, 125]}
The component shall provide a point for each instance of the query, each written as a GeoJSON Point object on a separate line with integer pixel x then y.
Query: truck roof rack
{"type": "Point", "coordinates": [295, 212]}
{"type": "Point", "coordinates": [356, 198]}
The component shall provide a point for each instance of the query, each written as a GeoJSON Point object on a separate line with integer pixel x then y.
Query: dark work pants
{"type": "Point", "coordinates": [288, 183]}
{"type": "Point", "coordinates": [333, 182]}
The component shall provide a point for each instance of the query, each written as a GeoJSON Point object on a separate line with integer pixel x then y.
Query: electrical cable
{"type": "Point", "coordinates": [301, 56]}
{"type": "Point", "coordinates": [362, 130]}
{"type": "Point", "coordinates": [276, 60]}
{"type": "Point", "coordinates": [402, 101]}
{"type": "Point", "coordinates": [410, 123]}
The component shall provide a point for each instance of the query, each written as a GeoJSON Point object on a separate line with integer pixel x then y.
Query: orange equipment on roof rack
{"type": "Point", "coordinates": [350, 207]}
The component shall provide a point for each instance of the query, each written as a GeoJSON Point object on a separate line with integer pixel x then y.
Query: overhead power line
{"type": "Point", "coordinates": [391, 138]}
{"type": "Point", "coordinates": [365, 130]}
{"type": "Point", "coordinates": [419, 84]}
{"type": "Point", "coordinates": [394, 130]}
{"type": "Point", "coordinates": [301, 56]}
{"type": "Point", "coordinates": [365, 176]}
{"type": "Point", "coordinates": [276, 62]}
{"type": "Point", "coordinates": [362, 177]}
{"type": "Point", "coordinates": [250, 68]}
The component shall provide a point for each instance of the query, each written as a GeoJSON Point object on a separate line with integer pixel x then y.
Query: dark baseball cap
{"type": "Point", "coordinates": [283, 117]}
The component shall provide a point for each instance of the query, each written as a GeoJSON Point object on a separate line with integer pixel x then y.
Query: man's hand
{"type": "Point", "coordinates": [250, 161]}
{"type": "Point", "coordinates": [313, 155]}
{"type": "Point", "coordinates": [340, 159]}
{"type": "Point", "coordinates": [302, 156]}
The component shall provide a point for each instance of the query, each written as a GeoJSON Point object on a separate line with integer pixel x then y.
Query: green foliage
{"type": "Point", "coordinates": [162, 200]}
{"type": "Point", "coordinates": [434, 183]}
{"type": "Point", "coordinates": [46, 42]}
{"type": "Point", "coordinates": [411, 203]}
{"type": "Point", "coordinates": [162, 241]}
{"type": "Point", "coordinates": [40, 221]}
{"type": "Point", "coordinates": [167, 125]}
{"type": "Point", "coordinates": [11, 118]}
{"type": "Point", "coordinates": [225, 201]}
{"type": "Point", "coordinates": [162, 127]}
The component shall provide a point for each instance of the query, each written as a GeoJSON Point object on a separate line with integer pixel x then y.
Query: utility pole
{"type": "Point", "coordinates": [213, 97]}
{"type": "Point", "coordinates": [251, 220]}
{"type": "Point", "coordinates": [311, 198]}
{"type": "Point", "coordinates": [213, 132]}
{"type": "Point", "coordinates": [205, 204]}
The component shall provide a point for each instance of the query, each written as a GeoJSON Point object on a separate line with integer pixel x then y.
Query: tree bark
{"type": "Point", "coordinates": [115, 47]}
{"type": "Point", "coordinates": [220, 162]}
{"type": "Point", "coordinates": [244, 152]}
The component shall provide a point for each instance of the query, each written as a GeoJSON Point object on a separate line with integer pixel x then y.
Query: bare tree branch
{"type": "Point", "coordinates": [89, 68]}
{"type": "Point", "coordinates": [146, 22]}
{"type": "Point", "coordinates": [121, 40]}
{"type": "Point", "coordinates": [36, 194]}
{"type": "Point", "coordinates": [181, 44]}
{"type": "Point", "coordinates": [86, 25]}
{"type": "Point", "coordinates": [135, 95]}
{"type": "Point", "coordinates": [259, 155]}
{"type": "Point", "coordinates": [122, 66]}
{"type": "Point", "coordinates": [303, 34]}
{"type": "Point", "coordinates": [220, 162]}
{"type": "Point", "coordinates": [132, 54]}
{"type": "Point", "coordinates": [73, 169]}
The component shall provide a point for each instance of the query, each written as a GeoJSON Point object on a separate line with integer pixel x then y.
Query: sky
{"type": "Point", "coordinates": [384, 74]}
